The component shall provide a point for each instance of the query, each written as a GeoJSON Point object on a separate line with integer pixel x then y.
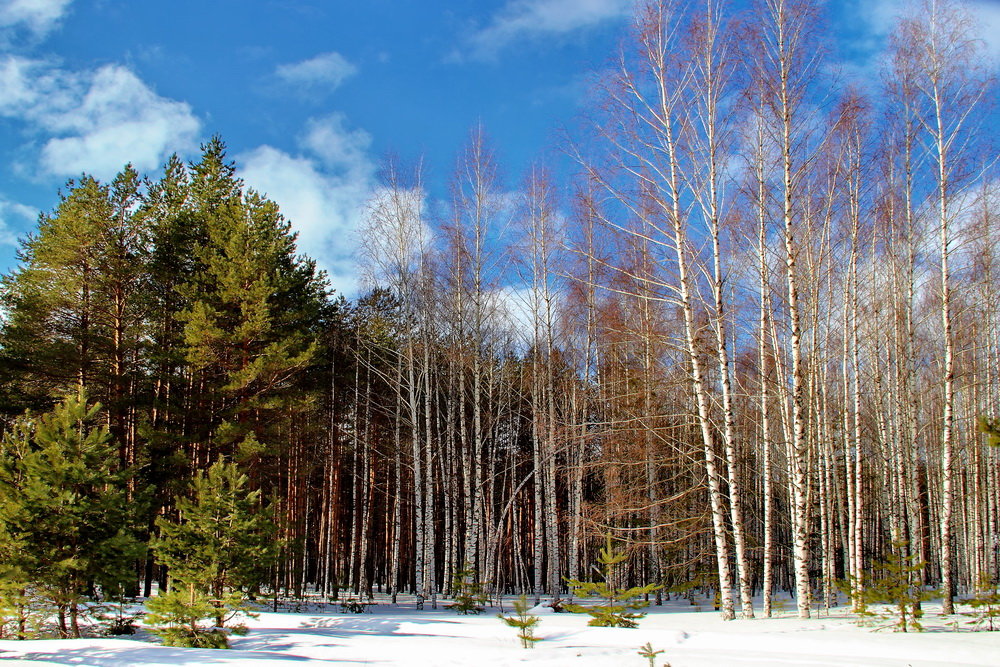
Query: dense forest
{"type": "Point", "coordinates": [754, 338]}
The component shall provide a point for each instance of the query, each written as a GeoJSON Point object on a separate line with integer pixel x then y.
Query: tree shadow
{"type": "Point", "coordinates": [99, 656]}
{"type": "Point", "coordinates": [333, 628]}
{"type": "Point", "coordinates": [354, 625]}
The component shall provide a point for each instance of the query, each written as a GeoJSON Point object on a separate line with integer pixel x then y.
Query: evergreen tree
{"type": "Point", "coordinates": [179, 616]}
{"type": "Point", "coordinates": [51, 331]}
{"type": "Point", "coordinates": [647, 652]}
{"type": "Point", "coordinates": [237, 316]}
{"type": "Point", "coordinates": [65, 520]}
{"type": "Point", "coordinates": [985, 605]}
{"type": "Point", "coordinates": [218, 549]}
{"type": "Point", "coordinates": [468, 594]}
{"type": "Point", "coordinates": [524, 622]}
{"type": "Point", "coordinates": [22, 614]}
{"type": "Point", "coordinates": [252, 316]}
{"type": "Point", "coordinates": [898, 587]}
{"type": "Point", "coordinates": [619, 609]}
{"type": "Point", "coordinates": [76, 304]}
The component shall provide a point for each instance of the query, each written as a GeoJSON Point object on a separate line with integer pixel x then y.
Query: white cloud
{"type": "Point", "coordinates": [322, 73]}
{"type": "Point", "coordinates": [37, 16]}
{"type": "Point", "coordinates": [9, 212]}
{"type": "Point", "coordinates": [94, 121]}
{"type": "Point", "coordinates": [119, 119]}
{"type": "Point", "coordinates": [526, 19]}
{"type": "Point", "coordinates": [515, 306]}
{"type": "Point", "coordinates": [879, 18]}
{"type": "Point", "coordinates": [394, 233]}
{"type": "Point", "coordinates": [986, 19]}
{"type": "Point", "coordinates": [322, 191]}
{"type": "Point", "coordinates": [337, 146]}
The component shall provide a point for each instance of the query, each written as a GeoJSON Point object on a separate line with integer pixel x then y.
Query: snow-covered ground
{"type": "Point", "coordinates": [400, 635]}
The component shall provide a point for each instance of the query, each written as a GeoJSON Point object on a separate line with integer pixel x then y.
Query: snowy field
{"type": "Point", "coordinates": [400, 635]}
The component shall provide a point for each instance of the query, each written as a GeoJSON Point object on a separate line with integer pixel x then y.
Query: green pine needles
{"type": "Point", "coordinates": [619, 609]}
{"type": "Point", "coordinates": [991, 428]}
{"type": "Point", "coordinates": [217, 550]}
{"type": "Point", "coordinates": [66, 530]}
{"type": "Point", "coordinates": [893, 599]}
{"type": "Point", "coordinates": [468, 594]}
{"type": "Point", "coordinates": [647, 652]}
{"type": "Point", "coordinates": [524, 622]}
{"type": "Point", "coordinates": [182, 617]}
{"type": "Point", "coordinates": [985, 614]}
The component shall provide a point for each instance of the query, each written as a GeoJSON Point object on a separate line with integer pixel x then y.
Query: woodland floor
{"type": "Point", "coordinates": [401, 635]}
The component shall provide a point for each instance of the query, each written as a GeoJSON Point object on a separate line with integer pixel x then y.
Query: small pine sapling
{"type": "Point", "coordinates": [687, 587]}
{"type": "Point", "coordinates": [469, 594]}
{"type": "Point", "coordinates": [524, 622]}
{"type": "Point", "coordinates": [619, 609]}
{"type": "Point", "coordinates": [985, 605]}
{"type": "Point", "coordinates": [897, 591]}
{"type": "Point", "coordinates": [116, 620]}
{"type": "Point", "coordinates": [218, 551]}
{"type": "Point", "coordinates": [647, 652]}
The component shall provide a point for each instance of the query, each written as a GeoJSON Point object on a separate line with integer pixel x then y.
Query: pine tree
{"type": "Point", "coordinates": [252, 312]}
{"type": "Point", "coordinates": [898, 587]}
{"type": "Point", "coordinates": [985, 605]}
{"type": "Point", "coordinates": [22, 615]}
{"type": "Point", "coordinates": [620, 604]}
{"type": "Point", "coordinates": [234, 354]}
{"type": "Point", "coordinates": [219, 549]}
{"type": "Point", "coordinates": [647, 652]}
{"type": "Point", "coordinates": [178, 618]}
{"type": "Point", "coordinates": [65, 515]}
{"type": "Point", "coordinates": [468, 593]}
{"type": "Point", "coordinates": [76, 304]}
{"type": "Point", "coordinates": [524, 622]}
{"type": "Point", "coordinates": [51, 331]}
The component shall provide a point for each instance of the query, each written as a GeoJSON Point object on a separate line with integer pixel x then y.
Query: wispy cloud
{"type": "Point", "coordinates": [987, 21]}
{"type": "Point", "coordinates": [93, 121]}
{"type": "Point", "coordinates": [38, 17]}
{"type": "Point", "coordinates": [875, 20]}
{"type": "Point", "coordinates": [321, 189]}
{"type": "Point", "coordinates": [13, 217]}
{"type": "Point", "coordinates": [322, 73]}
{"type": "Point", "coordinates": [521, 20]}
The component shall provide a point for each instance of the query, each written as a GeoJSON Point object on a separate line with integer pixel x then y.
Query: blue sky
{"type": "Point", "coordinates": [309, 94]}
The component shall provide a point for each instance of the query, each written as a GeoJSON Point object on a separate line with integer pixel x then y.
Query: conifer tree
{"type": "Point", "coordinates": [76, 304]}
{"type": "Point", "coordinates": [898, 587]}
{"type": "Point", "coordinates": [51, 332]}
{"type": "Point", "coordinates": [619, 609]}
{"type": "Point", "coordinates": [179, 616]}
{"type": "Point", "coordinates": [251, 316]}
{"type": "Point", "coordinates": [219, 548]}
{"type": "Point", "coordinates": [65, 520]}
{"type": "Point", "coordinates": [468, 593]}
{"type": "Point", "coordinates": [646, 651]}
{"type": "Point", "coordinates": [985, 604]}
{"type": "Point", "coordinates": [524, 621]}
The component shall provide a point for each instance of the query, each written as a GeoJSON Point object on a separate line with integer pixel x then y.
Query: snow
{"type": "Point", "coordinates": [401, 635]}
